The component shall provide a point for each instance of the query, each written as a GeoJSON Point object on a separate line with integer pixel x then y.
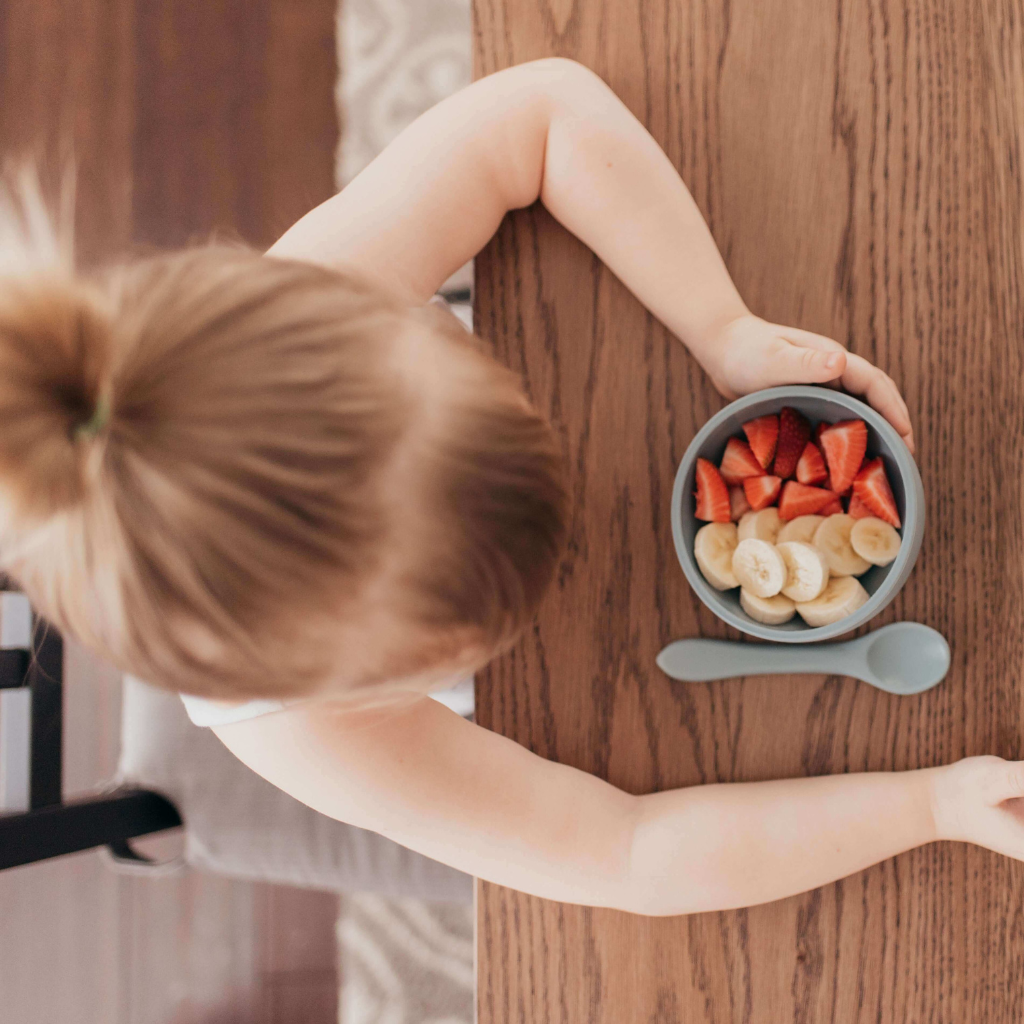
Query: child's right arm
{"type": "Point", "coordinates": [428, 779]}
{"type": "Point", "coordinates": [552, 130]}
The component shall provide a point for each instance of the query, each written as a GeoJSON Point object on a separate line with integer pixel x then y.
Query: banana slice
{"type": "Point", "coordinates": [763, 525]}
{"type": "Point", "coordinates": [806, 570]}
{"type": "Point", "coordinates": [832, 539]}
{"type": "Point", "coordinates": [843, 596]}
{"type": "Point", "coordinates": [713, 548]}
{"type": "Point", "coordinates": [801, 529]}
{"type": "Point", "coordinates": [759, 567]}
{"type": "Point", "coordinates": [772, 611]}
{"type": "Point", "coordinates": [875, 540]}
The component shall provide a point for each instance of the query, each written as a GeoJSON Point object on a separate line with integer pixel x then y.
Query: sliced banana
{"type": "Point", "coordinates": [843, 596]}
{"type": "Point", "coordinates": [832, 539]}
{"type": "Point", "coordinates": [759, 567]}
{"type": "Point", "coordinates": [772, 611]}
{"type": "Point", "coordinates": [801, 529]}
{"type": "Point", "coordinates": [763, 525]}
{"type": "Point", "coordinates": [806, 570]}
{"type": "Point", "coordinates": [875, 540]}
{"type": "Point", "coordinates": [713, 548]}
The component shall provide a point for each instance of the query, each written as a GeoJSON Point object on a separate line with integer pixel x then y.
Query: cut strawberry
{"type": "Point", "coordinates": [872, 487]}
{"type": "Point", "coordinates": [794, 430]}
{"type": "Point", "coordinates": [712, 494]}
{"type": "Point", "coordinates": [739, 462]}
{"type": "Point", "coordinates": [738, 504]}
{"type": "Point", "coordinates": [858, 509]}
{"type": "Point", "coordinates": [835, 509]}
{"type": "Point", "coordinates": [844, 445]}
{"type": "Point", "coordinates": [819, 430]}
{"type": "Point", "coordinates": [800, 500]}
{"type": "Point", "coordinates": [827, 484]}
{"type": "Point", "coordinates": [761, 491]}
{"type": "Point", "coordinates": [763, 434]}
{"type": "Point", "coordinates": [811, 468]}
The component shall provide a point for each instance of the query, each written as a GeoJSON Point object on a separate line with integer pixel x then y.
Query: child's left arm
{"type": "Point", "coordinates": [552, 130]}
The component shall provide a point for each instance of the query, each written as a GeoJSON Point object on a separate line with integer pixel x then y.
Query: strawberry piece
{"type": "Point", "coordinates": [739, 462]}
{"type": "Point", "coordinates": [858, 509]}
{"type": "Point", "coordinates": [794, 431]}
{"type": "Point", "coordinates": [800, 500]}
{"type": "Point", "coordinates": [835, 509]}
{"type": "Point", "coordinates": [819, 430]}
{"type": "Point", "coordinates": [761, 491]}
{"type": "Point", "coordinates": [738, 504]}
{"type": "Point", "coordinates": [712, 494]}
{"type": "Point", "coordinates": [827, 484]}
{"type": "Point", "coordinates": [872, 487]}
{"type": "Point", "coordinates": [763, 435]}
{"type": "Point", "coordinates": [811, 468]}
{"type": "Point", "coordinates": [844, 445]}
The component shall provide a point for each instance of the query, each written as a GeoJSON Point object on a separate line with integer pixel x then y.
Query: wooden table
{"type": "Point", "coordinates": [860, 164]}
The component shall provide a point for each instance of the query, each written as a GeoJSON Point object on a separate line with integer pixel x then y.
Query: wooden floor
{"type": "Point", "coordinates": [184, 117]}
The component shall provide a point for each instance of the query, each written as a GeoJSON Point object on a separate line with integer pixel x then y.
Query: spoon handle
{"type": "Point", "coordinates": [697, 660]}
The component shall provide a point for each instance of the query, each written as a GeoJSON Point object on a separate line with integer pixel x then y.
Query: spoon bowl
{"type": "Point", "coordinates": [909, 659]}
{"type": "Point", "coordinates": [902, 658]}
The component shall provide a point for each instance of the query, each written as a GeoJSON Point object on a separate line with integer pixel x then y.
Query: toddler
{"type": "Point", "coordinates": [294, 489]}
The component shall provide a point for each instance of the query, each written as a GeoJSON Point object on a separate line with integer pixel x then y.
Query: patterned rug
{"type": "Point", "coordinates": [397, 59]}
{"type": "Point", "coordinates": [401, 961]}
{"type": "Point", "coordinates": [405, 961]}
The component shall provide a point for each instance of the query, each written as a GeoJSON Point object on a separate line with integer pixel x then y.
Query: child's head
{"type": "Point", "coordinates": [240, 476]}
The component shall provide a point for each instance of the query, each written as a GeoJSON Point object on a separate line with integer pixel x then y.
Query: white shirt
{"type": "Point", "coordinates": [211, 713]}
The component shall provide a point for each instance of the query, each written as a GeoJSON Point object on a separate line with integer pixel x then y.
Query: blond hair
{"type": "Point", "coordinates": [212, 460]}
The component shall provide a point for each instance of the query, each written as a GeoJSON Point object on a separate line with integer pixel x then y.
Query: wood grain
{"type": "Point", "coordinates": [860, 167]}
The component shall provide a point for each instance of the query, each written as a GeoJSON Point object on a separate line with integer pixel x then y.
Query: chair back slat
{"type": "Point", "coordinates": [15, 704]}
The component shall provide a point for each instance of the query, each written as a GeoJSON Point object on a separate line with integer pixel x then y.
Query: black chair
{"type": "Point", "coordinates": [239, 824]}
{"type": "Point", "coordinates": [35, 822]}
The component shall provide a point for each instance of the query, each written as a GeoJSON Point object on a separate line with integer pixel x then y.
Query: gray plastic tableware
{"type": "Point", "coordinates": [902, 658]}
{"type": "Point", "coordinates": [817, 403]}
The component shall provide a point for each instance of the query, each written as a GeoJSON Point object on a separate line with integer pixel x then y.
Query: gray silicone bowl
{"type": "Point", "coordinates": [881, 582]}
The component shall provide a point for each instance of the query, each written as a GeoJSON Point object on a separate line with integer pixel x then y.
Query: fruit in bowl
{"type": "Point", "coordinates": [756, 422]}
{"type": "Point", "coordinates": [795, 512]}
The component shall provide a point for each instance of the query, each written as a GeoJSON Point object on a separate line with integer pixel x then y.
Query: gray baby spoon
{"type": "Point", "coordinates": [903, 658]}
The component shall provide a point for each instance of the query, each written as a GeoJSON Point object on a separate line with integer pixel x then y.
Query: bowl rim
{"type": "Point", "coordinates": [913, 517]}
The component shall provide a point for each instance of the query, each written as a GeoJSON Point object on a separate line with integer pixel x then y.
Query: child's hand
{"type": "Point", "coordinates": [749, 354]}
{"type": "Point", "coordinates": [981, 800]}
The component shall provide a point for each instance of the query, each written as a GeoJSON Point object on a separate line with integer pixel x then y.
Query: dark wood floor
{"type": "Point", "coordinates": [184, 117]}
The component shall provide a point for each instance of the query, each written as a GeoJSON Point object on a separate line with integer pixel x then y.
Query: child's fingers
{"type": "Point", "coordinates": [863, 378]}
{"type": "Point", "coordinates": [810, 340]}
{"type": "Point", "coordinates": [1006, 782]}
{"type": "Point", "coordinates": [803, 364]}
{"type": "Point", "coordinates": [880, 391]}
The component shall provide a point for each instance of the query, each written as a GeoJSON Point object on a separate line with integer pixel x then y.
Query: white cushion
{"type": "Point", "coordinates": [238, 824]}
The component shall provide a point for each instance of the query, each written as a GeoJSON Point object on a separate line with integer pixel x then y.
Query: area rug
{"type": "Point", "coordinates": [404, 961]}
{"type": "Point", "coordinates": [397, 58]}
{"type": "Point", "coordinates": [401, 961]}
